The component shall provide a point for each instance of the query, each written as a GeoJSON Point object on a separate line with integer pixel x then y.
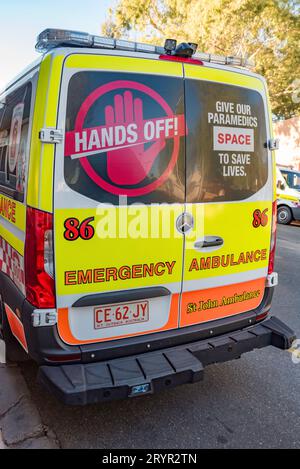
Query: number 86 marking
{"type": "Point", "coordinates": [74, 229]}
{"type": "Point", "coordinates": [260, 218]}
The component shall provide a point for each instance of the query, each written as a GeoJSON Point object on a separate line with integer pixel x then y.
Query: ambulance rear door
{"type": "Point", "coordinates": [229, 194]}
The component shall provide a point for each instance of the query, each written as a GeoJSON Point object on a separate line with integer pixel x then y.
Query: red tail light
{"type": "Point", "coordinates": [176, 58]}
{"type": "Point", "coordinates": [64, 358]}
{"type": "Point", "coordinates": [273, 238]}
{"type": "Point", "coordinates": [262, 316]}
{"type": "Point", "coordinates": [39, 284]}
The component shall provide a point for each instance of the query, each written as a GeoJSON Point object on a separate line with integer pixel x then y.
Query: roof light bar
{"type": "Point", "coordinates": [103, 42]}
{"type": "Point", "coordinates": [225, 60]}
{"type": "Point", "coordinates": [141, 47]}
{"type": "Point", "coordinates": [54, 37]}
{"type": "Point", "coordinates": [51, 38]}
{"type": "Point", "coordinates": [125, 45]}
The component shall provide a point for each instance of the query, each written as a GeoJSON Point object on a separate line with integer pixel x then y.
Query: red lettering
{"type": "Point", "coordinates": [111, 272]}
{"type": "Point", "coordinates": [70, 278]}
{"type": "Point", "coordinates": [85, 277]}
{"type": "Point", "coordinates": [234, 139]}
{"type": "Point", "coordinates": [159, 269]}
{"type": "Point", "coordinates": [98, 320]}
{"type": "Point", "coordinates": [257, 256]}
{"type": "Point", "coordinates": [194, 265]}
{"type": "Point", "coordinates": [220, 138]}
{"type": "Point", "coordinates": [215, 262]}
{"type": "Point", "coordinates": [144, 307]}
{"type": "Point", "coordinates": [106, 314]}
{"type": "Point", "coordinates": [263, 256]}
{"type": "Point", "coordinates": [98, 275]}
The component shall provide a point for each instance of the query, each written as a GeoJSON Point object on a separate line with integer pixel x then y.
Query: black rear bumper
{"type": "Point", "coordinates": [80, 384]}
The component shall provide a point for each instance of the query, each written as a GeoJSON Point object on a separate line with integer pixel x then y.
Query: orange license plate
{"type": "Point", "coordinates": [121, 314]}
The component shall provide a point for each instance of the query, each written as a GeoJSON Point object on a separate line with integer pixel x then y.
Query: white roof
{"type": "Point", "coordinates": [22, 74]}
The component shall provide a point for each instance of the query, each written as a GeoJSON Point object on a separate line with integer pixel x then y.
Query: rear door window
{"type": "Point", "coordinates": [226, 143]}
{"type": "Point", "coordinates": [125, 135]}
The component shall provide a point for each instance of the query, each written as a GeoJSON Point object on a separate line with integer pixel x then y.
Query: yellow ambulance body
{"type": "Point", "coordinates": [137, 216]}
{"type": "Point", "coordinates": [288, 200]}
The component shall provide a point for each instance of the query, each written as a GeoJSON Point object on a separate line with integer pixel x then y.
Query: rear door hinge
{"type": "Point", "coordinates": [48, 135]}
{"type": "Point", "coordinates": [273, 144]}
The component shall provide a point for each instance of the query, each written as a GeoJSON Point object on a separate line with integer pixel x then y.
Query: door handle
{"type": "Point", "coordinates": [209, 242]}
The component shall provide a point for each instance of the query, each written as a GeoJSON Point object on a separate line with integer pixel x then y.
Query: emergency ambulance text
{"type": "Point", "coordinates": [79, 277]}
{"type": "Point", "coordinates": [228, 260]}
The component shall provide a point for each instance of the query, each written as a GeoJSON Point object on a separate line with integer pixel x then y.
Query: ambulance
{"type": "Point", "coordinates": [288, 200]}
{"type": "Point", "coordinates": [137, 215]}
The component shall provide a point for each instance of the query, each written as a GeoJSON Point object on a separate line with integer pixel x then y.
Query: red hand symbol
{"type": "Point", "coordinates": [131, 165]}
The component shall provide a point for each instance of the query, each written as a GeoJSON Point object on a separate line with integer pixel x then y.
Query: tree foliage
{"type": "Point", "coordinates": [267, 31]}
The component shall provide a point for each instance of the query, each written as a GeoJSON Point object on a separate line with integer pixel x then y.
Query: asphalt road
{"type": "Point", "coordinates": [250, 402]}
